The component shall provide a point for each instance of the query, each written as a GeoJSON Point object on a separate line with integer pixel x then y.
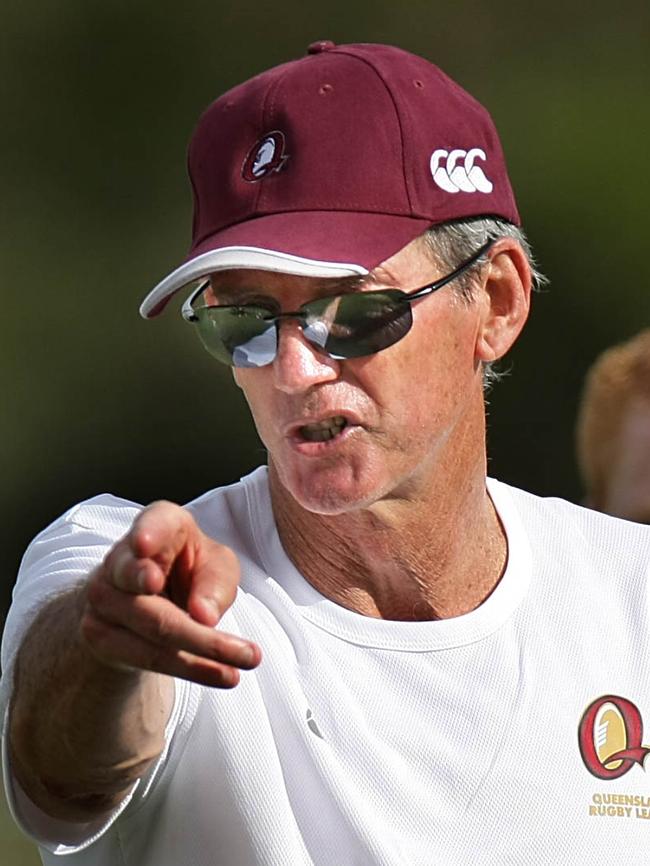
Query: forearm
{"type": "Point", "coordinates": [81, 732]}
{"type": "Point", "coordinates": [93, 679]}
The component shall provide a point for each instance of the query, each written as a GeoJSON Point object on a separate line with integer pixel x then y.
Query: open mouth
{"type": "Point", "coordinates": [322, 431]}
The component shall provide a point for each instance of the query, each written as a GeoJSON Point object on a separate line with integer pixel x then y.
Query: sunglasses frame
{"type": "Point", "coordinates": [189, 314]}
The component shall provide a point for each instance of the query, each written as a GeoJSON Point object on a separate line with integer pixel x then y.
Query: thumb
{"type": "Point", "coordinates": [214, 581]}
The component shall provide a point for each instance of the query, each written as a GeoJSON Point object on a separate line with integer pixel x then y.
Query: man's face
{"type": "Point", "coordinates": [628, 492]}
{"type": "Point", "coordinates": [406, 411]}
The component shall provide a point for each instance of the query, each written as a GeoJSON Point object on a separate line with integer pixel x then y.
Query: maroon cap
{"type": "Point", "coordinates": [328, 165]}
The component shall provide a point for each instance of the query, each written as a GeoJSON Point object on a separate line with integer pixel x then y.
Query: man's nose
{"type": "Point", "coordinates": [298, 365]}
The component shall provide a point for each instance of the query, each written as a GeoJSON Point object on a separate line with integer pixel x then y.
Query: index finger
{"type": "Point", "coordinates": [161, 532]}
{"type": "Point", "coordinates": [170, 552]}
{"type": "Point", "coordinates": [140, 562]}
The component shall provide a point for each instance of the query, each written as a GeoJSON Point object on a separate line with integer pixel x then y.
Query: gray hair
{"type": "Point", "coordinates": [451, 243]}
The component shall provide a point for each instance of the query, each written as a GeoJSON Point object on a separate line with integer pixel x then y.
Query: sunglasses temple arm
{"type": "Point", "coordinates": [439, 284]}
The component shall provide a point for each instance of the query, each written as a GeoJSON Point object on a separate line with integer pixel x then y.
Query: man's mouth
{"type": "Point", "coordinates": [321, 431]}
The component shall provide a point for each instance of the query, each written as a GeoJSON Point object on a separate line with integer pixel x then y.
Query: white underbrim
{"type": "Point", "coordinates": [250, 258]}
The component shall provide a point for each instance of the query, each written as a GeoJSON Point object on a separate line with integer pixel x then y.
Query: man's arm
{"type": "Point", "coordinates": [93, 679]}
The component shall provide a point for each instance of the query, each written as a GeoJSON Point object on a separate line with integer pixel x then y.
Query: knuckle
{"type": "Point", "coordinates": [218, 650]}
{"type": "Point", "coordinates": [161, 628]}
{"type": "Point", "coordinates": [96, 593]}
{"type": "Point", "coordinates": [93, 630]}
{"type": "Point", "coordinates": [158, 660]}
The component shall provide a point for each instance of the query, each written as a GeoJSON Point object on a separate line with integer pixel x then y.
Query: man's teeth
{"type": "Point", "coordinates": [321, 431]}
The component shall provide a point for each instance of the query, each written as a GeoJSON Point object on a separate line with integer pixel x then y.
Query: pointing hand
{"type": "Point", "coordinates": [154, 601]}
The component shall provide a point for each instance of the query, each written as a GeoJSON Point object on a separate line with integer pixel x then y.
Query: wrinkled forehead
{"type": "Point", "coordinates": [271, 282]}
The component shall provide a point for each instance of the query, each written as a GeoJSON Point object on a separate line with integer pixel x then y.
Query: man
{"type": "Point", "coordinates": [613, 431]}
{"type": "Point", "coordinates": [427, 669]}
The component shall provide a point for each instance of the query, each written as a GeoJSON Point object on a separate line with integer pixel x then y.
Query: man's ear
{"type": "Point", "coordinates": [507, 293]}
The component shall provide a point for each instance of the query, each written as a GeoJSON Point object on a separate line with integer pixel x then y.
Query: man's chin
{"type": "Point", "coordinates": [331, 492]}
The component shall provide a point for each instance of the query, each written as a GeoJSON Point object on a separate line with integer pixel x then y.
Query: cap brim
{"type": "Point", "coordinates": [309, 244]}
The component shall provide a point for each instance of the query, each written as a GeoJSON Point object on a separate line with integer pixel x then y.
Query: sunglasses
{"type": "Point", "coordinates": [342, 326]}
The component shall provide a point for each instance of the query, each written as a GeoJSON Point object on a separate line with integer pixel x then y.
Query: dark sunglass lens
{"type": "Point", "coordinates": [358, 324]}
{"type": "Point", "coordinates": [238, 336]}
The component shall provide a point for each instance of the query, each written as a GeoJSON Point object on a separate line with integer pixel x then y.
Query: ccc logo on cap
{"type": "Point", "coordinates": [454, 175]}
{"type": "Point", "coordinates": [265, 156]}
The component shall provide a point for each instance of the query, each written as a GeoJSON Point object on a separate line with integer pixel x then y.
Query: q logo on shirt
{"type": "Point", "coordinates": [609, 735]}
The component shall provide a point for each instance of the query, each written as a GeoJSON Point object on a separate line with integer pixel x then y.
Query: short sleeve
{"type": "Point", "coordinates": [61, 555]}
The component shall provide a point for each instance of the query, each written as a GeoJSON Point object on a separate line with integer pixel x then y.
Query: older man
{"type": "Point", "coordinates": [437, 669]}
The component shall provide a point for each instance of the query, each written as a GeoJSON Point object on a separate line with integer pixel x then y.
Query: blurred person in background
{"type": "Point", "coordinates": [613, 431]}
{"type": "Point", "coordinates": [366, 652]}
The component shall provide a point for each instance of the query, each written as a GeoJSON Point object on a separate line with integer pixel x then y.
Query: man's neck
{"type": "Point", "coordinates": [430, 557]}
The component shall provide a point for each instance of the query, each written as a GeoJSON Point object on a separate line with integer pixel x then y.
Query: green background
{"type": "Point", "coordinates": [98, 101]}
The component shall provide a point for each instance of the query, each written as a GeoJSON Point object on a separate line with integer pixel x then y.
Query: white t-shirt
{"type": "Point", "coordinates": [361, 742]}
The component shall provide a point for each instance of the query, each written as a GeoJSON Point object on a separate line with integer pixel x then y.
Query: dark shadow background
{"type": "Point", "coordinates": [97, 102]}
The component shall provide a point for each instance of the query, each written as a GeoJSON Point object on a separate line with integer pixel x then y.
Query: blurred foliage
{"type": "Point", "coordinates": [98, 101]}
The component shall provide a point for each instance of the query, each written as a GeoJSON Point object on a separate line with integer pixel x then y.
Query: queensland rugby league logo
{"type": "Point", "coordinates": [267, 155]}
{"type": "Point", "coordinates": [610, 735]}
